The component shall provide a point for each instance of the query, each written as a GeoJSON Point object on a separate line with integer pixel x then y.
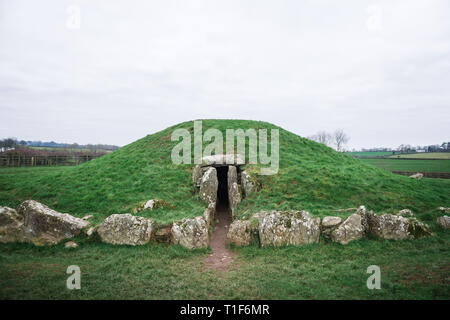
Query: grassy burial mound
{"type": "Point", "coordinates": [311, 176]}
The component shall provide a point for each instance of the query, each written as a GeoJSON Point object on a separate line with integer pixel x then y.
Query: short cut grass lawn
{"type": "Point", "coordinates": [411, 269]}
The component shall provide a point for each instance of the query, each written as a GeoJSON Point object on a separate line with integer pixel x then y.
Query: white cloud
{"type": "Point", "coordinates": [134, 68]}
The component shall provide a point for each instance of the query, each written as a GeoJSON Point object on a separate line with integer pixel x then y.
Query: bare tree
{"type": "Point", "coordinates": [340, 139]}
{"type": "Point", "coordinates": [322, 137]}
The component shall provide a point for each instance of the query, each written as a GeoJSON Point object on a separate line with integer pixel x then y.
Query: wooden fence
{"type": "Point", "coordinates": [49, 160]}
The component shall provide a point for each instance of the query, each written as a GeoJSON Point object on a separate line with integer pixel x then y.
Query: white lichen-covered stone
{"type": "Point", "coordinates": [71, 244]}
{"type": "Point", "coordinates": [444, 222]}
{"type": "Point", "coordinates": [209, 185]}
{"type": "Point", "coordinates": [362, 212]}
{"type": "Point", "coordinates": [191, 233]}
{"type": "Point", "coordinates": [126, 229]}
{"type": "Point", "coordinates": [43, 225]}
{"type": "Point", "coordinates": [351, 229]}
{"type": "Point", "coordinates": [328, 222]}
{"type": "Point", "coordinates": [11, 224]}
{"type": "Point", "coordinates": [417, 176]}
{"type": "Point", "coordinates": [287, 228]}
{"type": "Point", "coordinates": [223, 159]}
{"type": "Point", "coordinates": [90, 231]}
{"type": "Point", "coordinates": [247, 185]}
{"type": "Point", "coordinates": [389, 226]}
{"type": "Point", "coordinates": [151, 204]}
{"type": "Point", "coordinates": [234, 194]}
{"type": "Point", "coordinates": [208, 214]}
{"type": "Point", "coordinates": [328, 225]}
{"type": "Point", "coordinates": [444, 209]}
{"type": "Point", "coordinates": [405, 212]}
{"type": "Point", "coordinates": [240, 232]}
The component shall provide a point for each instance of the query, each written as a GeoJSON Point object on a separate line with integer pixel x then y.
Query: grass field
{"type": "Point", "coordinates": [56, 149]}
{"type": "Point", "coordinates": [370, 154]}
{"type": "Point", "coordinates": [410, 165]}
{"type": "Point", "coordinates": [415, 269]}
{"type": "Point", "coordinates": [311, 176]}
{"type": "Point", "coordinates": [426, 155]}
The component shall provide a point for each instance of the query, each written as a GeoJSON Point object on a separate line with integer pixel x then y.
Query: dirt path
{"type": "Point", "coordinates": [221, 257]}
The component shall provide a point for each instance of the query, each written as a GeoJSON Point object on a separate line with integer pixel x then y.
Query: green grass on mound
{"type": "Point", "coordinates": [311, 176]}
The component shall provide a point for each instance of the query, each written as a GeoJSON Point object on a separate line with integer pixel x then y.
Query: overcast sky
{"type": "Point", "coordinates": [380, 70]}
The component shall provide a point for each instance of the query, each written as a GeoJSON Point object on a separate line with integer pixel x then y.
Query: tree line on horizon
{"type": "Point", "coordinates": [13, 143]}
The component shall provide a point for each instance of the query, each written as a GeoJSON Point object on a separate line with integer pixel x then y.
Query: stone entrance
{"type": "Point", "coordinates": [222, 188]}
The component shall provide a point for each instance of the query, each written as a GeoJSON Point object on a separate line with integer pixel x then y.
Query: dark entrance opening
{"type": "Point", "coordinates": [222, 190]}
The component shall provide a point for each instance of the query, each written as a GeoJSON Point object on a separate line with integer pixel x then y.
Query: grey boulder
{"type": "Point", "coordinates": [287, 228]}
{"type": "Point", "coordinates": [240, 232]}
{"type": "Point", "coordinates": [43, 225]}
{"type": "Point", "coordinates": [444, 222]}
{"type": "Point", "coordinates": [351, 229]}
{"type": "Point", "coordinates": [126, 229]}
{"type": "Point", "coordinates": [11, 225]}
{"type": "Point", "coordinates": [388, 226]}
{"type": "Point", "coordinates": [191, 233]}
{"type": "Point", "coordinates": [329, 224]}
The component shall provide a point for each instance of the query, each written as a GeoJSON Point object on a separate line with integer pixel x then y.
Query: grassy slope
{"type": "Point", "coordinates": [311, 176]}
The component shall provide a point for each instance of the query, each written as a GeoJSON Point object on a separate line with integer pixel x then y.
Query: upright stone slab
{"type": "Point", "coordinates": [234, 195]}
{"type": "Point", "coordinates": [362, 212]}
{"type": "Point", "coordinates": [209, 185]}
{"type": "Point", "coordinates": [247, 185]}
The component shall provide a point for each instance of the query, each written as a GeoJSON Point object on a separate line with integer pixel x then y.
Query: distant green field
{"type": "Point", "coordinates": [70, 149]}
{"type": "Point", "coordinates": [370, 154]}
{"type": "Point", "coordinates": [410, 165]}
{"type": "Point", "coordinates": [426, 155]}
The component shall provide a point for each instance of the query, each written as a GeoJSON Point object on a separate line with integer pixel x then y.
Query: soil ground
{"type": "Point", "coordinates": [220, 257]}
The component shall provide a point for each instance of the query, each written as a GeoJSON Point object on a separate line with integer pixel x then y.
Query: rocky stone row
{"type": "Point", "coordinates": [298, 227]}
